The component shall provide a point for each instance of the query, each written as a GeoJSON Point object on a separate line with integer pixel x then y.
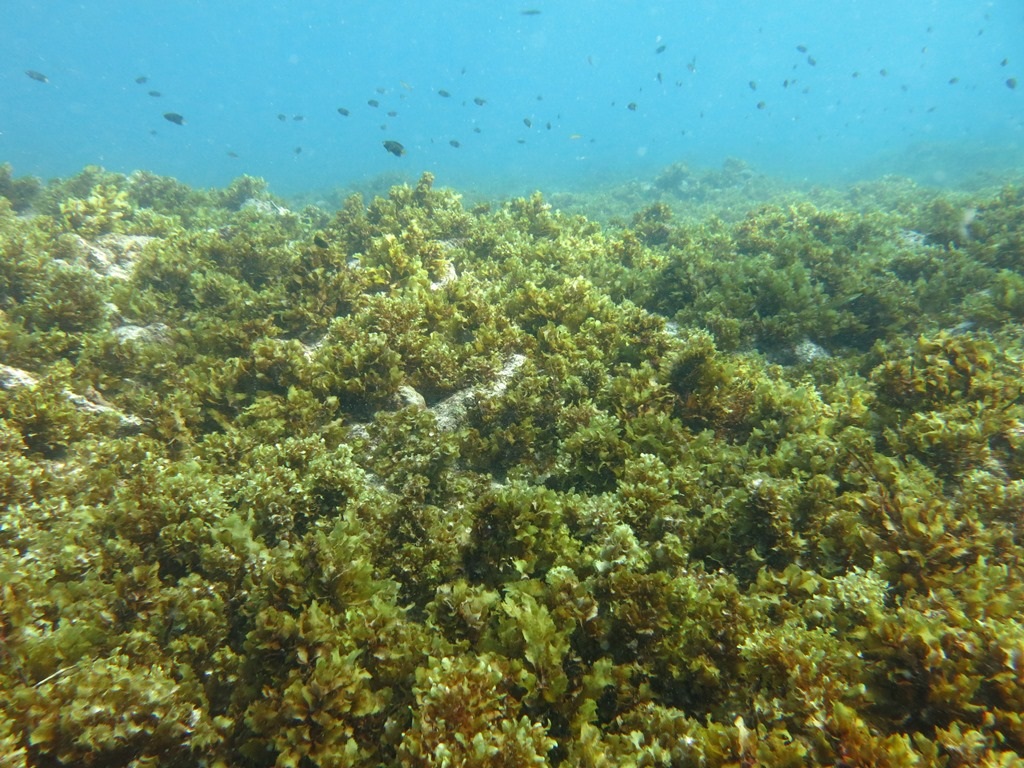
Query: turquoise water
{"type": "Point", "coordinates": [573, 91]}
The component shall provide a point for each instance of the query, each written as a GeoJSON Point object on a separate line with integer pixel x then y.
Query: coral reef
{"type": "Point", "coordinates": [411, 484]}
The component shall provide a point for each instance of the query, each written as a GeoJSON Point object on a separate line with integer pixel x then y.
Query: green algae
{"type": "Point", "coordinates": [416, 484]}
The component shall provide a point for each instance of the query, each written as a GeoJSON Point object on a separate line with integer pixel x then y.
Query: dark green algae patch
{"type": "Point", "coordinates": [416, 484]}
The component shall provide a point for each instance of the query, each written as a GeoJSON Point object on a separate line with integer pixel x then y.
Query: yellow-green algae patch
{"type": "Point", "coordinates": [415, 484]}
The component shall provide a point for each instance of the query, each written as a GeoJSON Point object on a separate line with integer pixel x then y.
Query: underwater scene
{"type": "Point", "coordinates": [484, 385]}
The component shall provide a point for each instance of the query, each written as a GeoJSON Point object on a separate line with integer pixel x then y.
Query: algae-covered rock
{"type": "Point", "coordinates": [417, 484]}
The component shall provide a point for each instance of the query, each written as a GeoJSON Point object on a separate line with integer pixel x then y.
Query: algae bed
{"type": "Point", "coordinates": [423, 483]}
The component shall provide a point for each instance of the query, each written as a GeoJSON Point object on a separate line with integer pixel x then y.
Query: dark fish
{"type": "Point", "coordinates": [660, 49]}
{"type": "Point", "coordinates": [812, 61]}
{"type": "Point", "coordinates": [548, 126]}
{"type": "Point", "coordinates": [298, 118]}
{"type": "Point", "coordinates": [753, 84]}
{"type": "Point", "coordinates": [38, 76]}
{"type": "Point", "coordinates": [883, 72]}
{"type": "Point", "coordinates": [855, 74]}
{"type": "Point", "coordinates": [476, 129]}
{"type": "Point", "coordinates": [232, 154]}
{"type": "Point", "coordinates": [282, 118]}
{"type": "Point", "coordinates": [373, 102]}
{"type": "Point", "coordinates": [174, 117]}
{"type": "Point", "coordinates": [1011, 83]}
{"type": "Point", "coordinates": [1004, 62]}
{"type": "Point", "coordinates": [319, 241]}
{"type": "Point", "coordinates": [528, 122]}
{"type": "Point", "coordinates": [342, 111]}
{"type": "Point", "coordinates": [444, 94]}
{"type": "Point", "coordinates": [530, 12]}
{"type": "Point", "coordinates": [659, 77]}
{"type": "Point", "coordinates": [455, 143]}
{"type": "Point", "coordinates": [155, 94]}
{"type": "Point", "coordinates": [479, 102]}
{"type": "Point", "coordinates": [520, 141]}
{"type": "Point", "coordinates": [394, 148]}
{"type": "Point", "coordinates": [297, 150]}
{"type": "Point", "coordinates": [761, 105]}
{"type": "Point", "coordinates": [954, 80]}
{"type": "Point", "coordinates": [392, 113]}
{"type": "Point", "coordinates": [141, 79]}
{"type": "Point", "coordinates": [631, 106]}
{"type": "Point", "coordinates": [802, 48]}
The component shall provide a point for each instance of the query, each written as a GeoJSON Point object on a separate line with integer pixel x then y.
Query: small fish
{"type": "Point", "coordinates": [528, 122]}
{"type": "Point", "coordinates": [392, 113]}
{"type": "Point", "coordinates": [476, 129]}
{"type": "Point", "coordinates": [812, 61]}
{"type": "Point", "coordinates": [761, 105]}
{"type": "Point", "coordinates": [692, 66]}
{"type": "Point", "coordinates": [141, 79]}
{"type": "Point", "coordinates": [373, 102]}
{"type": "Point", "coordinates": [282, 118]}
{"type": "Point", "coordinates": [631, 106]}
{"type": "Point", "coordinates": [342, 111]}
{"type": "Point", "coordinates": [954, 80]}
{"type": "Point", "coordinates": [660, 49]}
{"type": "Point", "coordinates": [520, 141]}
{"type": "Point", "coordinates": [37, 76]}
{"type": "Point", "coordinates": [455, 143]}
{"type": "Point", "coordinates": [381, 90]}
{"type": "Point", "coordinates": [1011, 83]}
{"type": "Point", "coordinates": [320, 241]}
{"type": "Point", "coordinates": [174, 117]}
{"type": "Point", "coordinates": [802, 48]}
{"type": "Point", "coordinates": [1004, 62]}
{"type": "Point", "coordinates": [753, 84]}
{"type": "Point", "coordinates": [883, 72]}
{"type": "Point", "coordinates": [479, 102]}
{"type": "Point", "coordinates": [297, 150]}
{"type": "Point", "coordinates": [232, 154]}
{"type": "Point", "coordinates": [155, 94]}
{"type": "Point", "coordinates": [548, 126]}
{"type": "Point", "coordinates": [298, 118]}
{"type": "Point", "coordinates": [575, 136]}
{"type": "Point", "coordinates": [394, 148]}
{"type": "Point", "coordinates": [855, 74]}
{"type": "Point", "coordinates": [444, 94]}
{"type": "Point", "coordinates": [530, 12]}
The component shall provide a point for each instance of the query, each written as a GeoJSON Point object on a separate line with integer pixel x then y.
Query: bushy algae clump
{"type": "Point", "coordinates": [420, 485]}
